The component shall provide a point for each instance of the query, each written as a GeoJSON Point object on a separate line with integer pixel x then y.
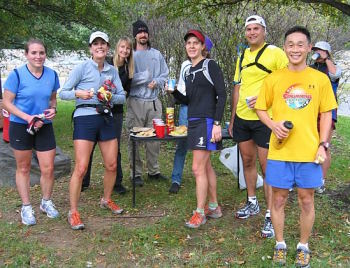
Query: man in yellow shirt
{"type": "Point", "coordinates": [296, 94]}
{"type": "Point", "coordinates": [254, 65]}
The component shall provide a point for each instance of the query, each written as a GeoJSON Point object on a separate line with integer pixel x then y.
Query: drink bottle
{"type": "Point", "coordinates": [280, 142]}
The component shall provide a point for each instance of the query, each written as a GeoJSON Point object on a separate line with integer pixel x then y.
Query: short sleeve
{"type": "Point", "coordinates": [12, 83]}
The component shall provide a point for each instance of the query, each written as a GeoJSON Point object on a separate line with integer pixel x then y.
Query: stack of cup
{"type": "Point", "coordinates": [157, 121]}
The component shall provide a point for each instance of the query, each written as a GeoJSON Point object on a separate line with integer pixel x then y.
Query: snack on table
{"type": "Point", "coordinates": [179, 131]}
{"type": "Point", "coordinates": [139, 129]}
{"type": "Point", "coordinates": [148, 133]}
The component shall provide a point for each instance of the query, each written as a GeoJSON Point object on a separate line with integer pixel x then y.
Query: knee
{"type": "Point", "coordinates": [197, 170]}
{"type": "Point", "coordinates": [248, 162]}
{"type": "Point", "coordinates": [24, 170]}
{"type": "Point", "coordinates": [279, 201]}
{"type": "Point", "coordinates": [111, 166]}
{"type": "Point", "coordinates": [306, 203]}
{"type": "Point", "coordinates": [47, 170]}
{"type": "Point", "coordinates": [80, 170]}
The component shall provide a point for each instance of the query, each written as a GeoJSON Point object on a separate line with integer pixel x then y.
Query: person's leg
{"type": "Point", "coordinates": [248, 153]}
{"type": "Point", "coordinates": [307, 215]}
{"type": "Point", "coordinates": [152, 110]}
{"type": "Point", "coordinates": [326, 164]}
{"type": "Point", "coordinates": [118, 117]}
{"type": "Point", "coordinates": [181, 150]}
{"type": "Point", "coordinates": [199, 168]}
{"type": "Point", "coordinates": [279, 199]}
{"type": "Point", "coordinates": [212, 194]}
{"type": "Point", "coordinates": [82, 152]}
{"type": "Point", "coordinates": [87, 176]}
{"type": "Point", "coordinates": [135, 118]}
{"type": "Point", "coordinates": [23, 163]}
{"type": "Point", "coordinates": [46, 164]}
{"type": "Point", "coordinates": [109, 154]}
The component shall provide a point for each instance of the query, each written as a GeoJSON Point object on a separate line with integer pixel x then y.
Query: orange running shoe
{"type": "Point", "coordinates": [109, 204]}
{"type": "Point", "coordinates": [214, 214]}
{"type": "Point", "coordinates": [75, 221]}
{"type": "Point", "coordinates": [196, 220]}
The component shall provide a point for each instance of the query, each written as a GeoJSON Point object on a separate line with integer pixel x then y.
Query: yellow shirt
{"type": "Point", "coordinates": [298, 97]}
{"type": "Point", "coordinates": [252, 78]}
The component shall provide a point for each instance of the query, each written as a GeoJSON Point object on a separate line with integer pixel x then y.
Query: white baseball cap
{"type": "Point", "coordinates": [322, 45]}
{"type": "Point", "coordinates": [98, 34]}
{"type": "Point", "coordinates": [255, 19]}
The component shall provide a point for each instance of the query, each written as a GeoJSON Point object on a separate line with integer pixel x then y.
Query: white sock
{"type": "Point", "coordinates": [300, 245]}
{"type": "Point", "coordinates": [268, 214]}
{"type": "Point", "coordinates": [281, 244]}
{"type": "Point", "coordinates": [252, 199]}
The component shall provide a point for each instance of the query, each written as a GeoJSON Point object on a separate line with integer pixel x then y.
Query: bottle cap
{"type": "Point", "coordinates": [288, 124]}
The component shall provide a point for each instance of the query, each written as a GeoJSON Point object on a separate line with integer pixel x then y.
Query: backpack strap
{"type": "Point", "coordinates": [17, 74]}
{"type": "Point", "coordinates": [259, 65]}
{"type": "Point", "coordinates": [206, 71]}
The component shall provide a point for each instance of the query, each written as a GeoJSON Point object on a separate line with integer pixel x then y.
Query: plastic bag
{"type": "Point", "coordinates": [228, 157]}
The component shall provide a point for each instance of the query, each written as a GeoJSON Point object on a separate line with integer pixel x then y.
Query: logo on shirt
{"type": "Point", "coordinates": [296, 97]}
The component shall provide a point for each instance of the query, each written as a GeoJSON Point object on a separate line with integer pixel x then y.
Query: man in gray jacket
{"type": "Point", "coordinates": [143, 104]}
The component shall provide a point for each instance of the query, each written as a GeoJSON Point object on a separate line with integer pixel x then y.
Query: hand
{"type": "Point", "coordinates": [279, 130]}
{"type": "Point", "coordinates": [321, 155]}
{"type": "Point", "coordinates": [323, 54]}
{"type": "Point", "coordinates": [50, 113]}
{"type": "Point", "coordinates": [230, 126]}
{"type": "Point", "coordinates": [83, 94]}
{"type": "Point", "coordinates": [152, 85]}
{"type": "Point", "coordinates": [216, 134]}
{"type": "Point", "coordinates": [252, 102]}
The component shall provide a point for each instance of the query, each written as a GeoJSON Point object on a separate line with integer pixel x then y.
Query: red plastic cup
{"type": "Point", "coordinates": [160, 131]}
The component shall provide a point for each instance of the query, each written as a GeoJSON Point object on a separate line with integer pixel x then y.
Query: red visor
{"type": "Point", "coordinates": [197, 34]}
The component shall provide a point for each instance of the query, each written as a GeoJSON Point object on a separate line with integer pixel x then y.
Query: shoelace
{"type": "Point", "coordinates": [301, 256]}
{"type": "Point", "coordinates": [196, 218]}
{"type": "Point", "coordinates": [280, 254]}
{"type": "Point", "coordinates": [76, 218]}
{"type": "Point", "coordinates": [112, 205]}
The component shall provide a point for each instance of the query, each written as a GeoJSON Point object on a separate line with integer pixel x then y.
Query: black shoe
{"type": "Point", "coordinates": [158, 176]}
{"type": "Point", "coordinates": [138, 181]}
{"type": "Point", "coordinates": [174, 188]}
{"type": "Point", "coordinates": [120, 189]}
{"type": "Point", "coordinates": [84, 187]}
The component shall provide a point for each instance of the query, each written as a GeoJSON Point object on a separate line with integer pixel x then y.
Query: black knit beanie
{"type": "Point", "coordinates": [139, 26]}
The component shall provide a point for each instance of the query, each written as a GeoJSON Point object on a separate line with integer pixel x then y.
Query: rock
{"type": "Point", "coordinates": [8, 166]}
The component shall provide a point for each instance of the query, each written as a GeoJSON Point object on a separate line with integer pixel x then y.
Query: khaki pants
{"type": "Point", "coordinates": [140, 114]}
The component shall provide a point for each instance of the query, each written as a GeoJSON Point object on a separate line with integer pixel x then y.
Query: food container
{"type": "Point", "coordinates": [170, 124]}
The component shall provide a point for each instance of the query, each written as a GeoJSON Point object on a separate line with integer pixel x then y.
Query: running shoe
{"type": "Point", "coordinates": [268, 231]}
{"type": "Point", "coordinates": [109, 204]}
{"type": "Point", "coordinates": [75, 221]}
{"type": "Point", "coordinates": [214, 214]}
{"type": "Point", "coordinates": [49, 208]}
{"type": "Point", "coordinates": [248, 210]}
{"type": "Point", "coordinates": [28, 215]}
{"type": "Point", "coordinates": [196, 220]}
{"type": "Point", "coordinates": [303, 258]}
{"type": "Point", "coordinates": [280, 255]}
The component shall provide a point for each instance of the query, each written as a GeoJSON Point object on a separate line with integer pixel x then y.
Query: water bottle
{"type": "Point", "coordinates": [280, 142]}
{"type": "Point", "coordinates": [315, 56]}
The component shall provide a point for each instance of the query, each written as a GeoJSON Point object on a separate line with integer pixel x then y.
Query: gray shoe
{"type": "Point", "coordinates": [28, 215]}
{"type": "Point", "coordinates": [303, 258]}
{"type": "Point", "coordinates": [248, 210]}
{"type": "Point", "coordinates": [49, 208]}
{"type": "Point", "coordinates": [268, 231]}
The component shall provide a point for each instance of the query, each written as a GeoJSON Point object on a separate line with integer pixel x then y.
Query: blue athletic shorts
{"type": "Point", "coordinates": [199, 135]}
{"type": "Point", "coordinates": [285, 175]}
{"type": "Point", "coordinates": [94, 128]}
{"type": "Point", "coordinates": [41, 141]}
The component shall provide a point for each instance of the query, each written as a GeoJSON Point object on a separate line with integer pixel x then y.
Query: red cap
{"type": "Point", "coordinates": [197, 34]}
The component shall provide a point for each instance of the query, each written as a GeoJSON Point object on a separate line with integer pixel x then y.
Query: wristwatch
{"type": "Point", "coordinates": [324, 144]}
{"type": "Point", "coordinates": [217, 123]}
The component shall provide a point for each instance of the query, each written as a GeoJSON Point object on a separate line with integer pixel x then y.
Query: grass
{"type": "Point", "coordinates": [153, 234]}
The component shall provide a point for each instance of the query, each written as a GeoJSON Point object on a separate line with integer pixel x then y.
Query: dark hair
{"type": "Point", "coordinates": [34, 41]}
{"type": "Point", "coordinates": [298, 29]}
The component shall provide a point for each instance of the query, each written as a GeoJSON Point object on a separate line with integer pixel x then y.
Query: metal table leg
{"type": "Point", "coordinates": [133, 173]}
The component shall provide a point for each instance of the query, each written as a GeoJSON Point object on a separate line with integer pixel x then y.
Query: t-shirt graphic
{"type": "Point", "coordinates": [296, 97]}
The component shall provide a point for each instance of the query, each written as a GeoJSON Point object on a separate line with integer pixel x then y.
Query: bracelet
{"type": "Point", "coordinates": [54, 107]}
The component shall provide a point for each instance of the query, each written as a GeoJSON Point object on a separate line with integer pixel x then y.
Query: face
{"type": "Point", "coordinates": [124, 50]}
{"type": "Point", "coordinates": [142, 38]}
{"type": "Point", "coordinates": [194, 47]}
{"type": "Point", "coordinates": [255, 34]}
{"type": "Point", "coordinates": [297, 47]}
{"type": "Point", "coordinates": [36, 55]}
{"type": "Point", "coordinates": [99, 48]}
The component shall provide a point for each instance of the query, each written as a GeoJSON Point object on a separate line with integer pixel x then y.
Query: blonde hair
{"type": "Point", "coordinates": [129, 60]}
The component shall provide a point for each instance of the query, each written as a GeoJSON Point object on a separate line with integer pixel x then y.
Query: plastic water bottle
{"type": "Point", "coordinates": [280, 142]}
{"type": "Point", "coordinates": [315, 56]}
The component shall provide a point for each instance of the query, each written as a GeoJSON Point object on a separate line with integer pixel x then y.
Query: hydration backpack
{"type": "Point", "coordinates": [204, 69]}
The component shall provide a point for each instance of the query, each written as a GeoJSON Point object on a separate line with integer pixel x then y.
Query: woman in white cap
{"type": "Point", "coordinates": [96, 87]}
{"type": "Point", "coordinates": [324, 63]}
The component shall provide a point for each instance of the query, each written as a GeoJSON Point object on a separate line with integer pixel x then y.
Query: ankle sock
{"type": "Point", "coordinates": [252, 199]}
{"type": "Point", "coordinates": [268, 214]}
{"type": "Point", "coordinates": [281, 244]}
{"type": "Point", "coordinates": [213, 206]}
{"type": "Point", "coordinates": [26, 205]}
{"type": "Point", "coordinates": [200, 211]}
{"type": "Point", "coordinates": [305, 246]}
